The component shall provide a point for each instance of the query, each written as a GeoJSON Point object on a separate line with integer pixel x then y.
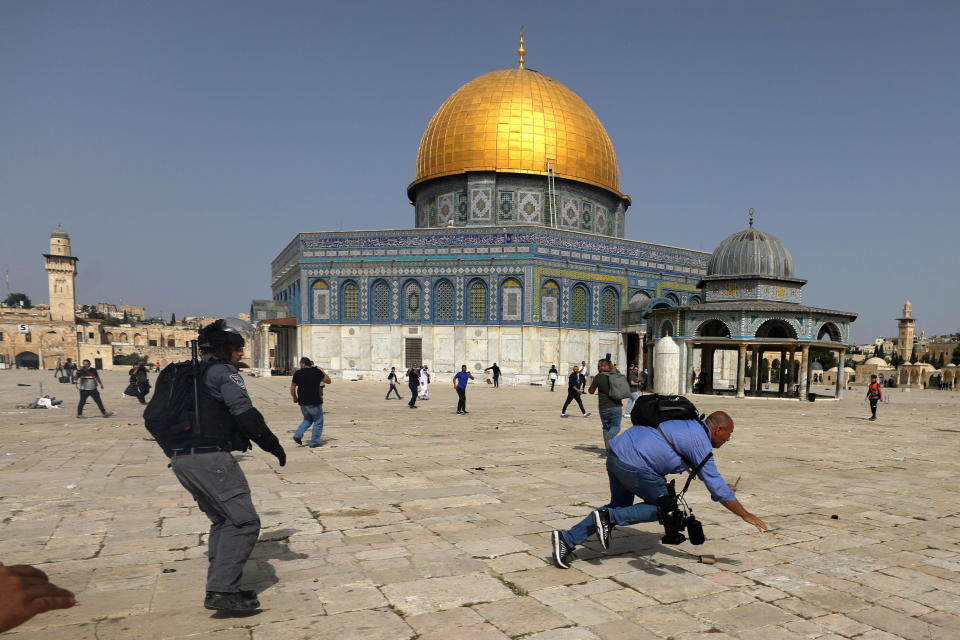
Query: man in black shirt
{"type": "Point", "coordinates": [495, 370]}
{"type": "Point", "coordinates": [392, 379]}
{"type": "Point", "coordinates": [307, 391]}
{"type": "Point", "coordinates": [413, 382]}
{"type": "Point", "coordinates": [574, 389]}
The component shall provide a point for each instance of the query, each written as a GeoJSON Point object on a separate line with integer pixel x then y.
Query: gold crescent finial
{"type": "Point", "coordinates": [521, 51]}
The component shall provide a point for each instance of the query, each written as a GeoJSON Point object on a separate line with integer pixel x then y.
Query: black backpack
{"type": "Point", "coordinates": [650, 410]}
{"type": "Point", "coordinates": [173, 411]}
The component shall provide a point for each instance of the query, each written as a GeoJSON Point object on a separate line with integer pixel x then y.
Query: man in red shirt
{"type": "Point", "coordinates": [874, 395]}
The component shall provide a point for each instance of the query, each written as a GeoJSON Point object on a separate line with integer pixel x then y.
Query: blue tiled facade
{"type": "Point", "coordinates": [491, 275]}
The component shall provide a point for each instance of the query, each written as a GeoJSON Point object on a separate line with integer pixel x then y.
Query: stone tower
{"type": "Point", "coordinates": [907, 325]}
{"type": "Point", "coordinates": [61, 277]}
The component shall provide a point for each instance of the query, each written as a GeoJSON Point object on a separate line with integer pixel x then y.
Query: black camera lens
{"type": "Point", "coordinates": [695, 531]}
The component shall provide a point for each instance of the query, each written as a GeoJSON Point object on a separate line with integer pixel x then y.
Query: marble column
{"type": "Point", "coordinates": [780, 368]}
{"type": "Point", "coordinates": [840, 367]}
{"type": "Point", "coordinates": [805, 371]}
{"type": "Point", "coordinates": [791, 377]}
{"type": "Point", "coordinates": [756, 383]}
{"type": "Point", "coordinates": [741, 369]}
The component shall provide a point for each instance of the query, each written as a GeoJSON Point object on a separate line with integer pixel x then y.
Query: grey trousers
{"type": "Point", "coordinates": [217, 483]}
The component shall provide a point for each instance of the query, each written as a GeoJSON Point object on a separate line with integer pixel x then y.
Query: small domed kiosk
{"type": "Point", "coordinates": [752, 303]}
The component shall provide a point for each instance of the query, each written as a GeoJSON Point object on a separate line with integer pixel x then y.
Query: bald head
{"type": "Point", "coordinates": [721, 428]}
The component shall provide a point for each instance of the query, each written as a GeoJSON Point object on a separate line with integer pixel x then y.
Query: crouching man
{"type": "Point", "coordinates": [637, 462]}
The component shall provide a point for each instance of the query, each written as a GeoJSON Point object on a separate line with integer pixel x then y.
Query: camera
{"type": "Point", "coordinates": [676, 518]}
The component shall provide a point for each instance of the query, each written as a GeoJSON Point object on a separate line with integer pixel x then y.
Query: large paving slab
{"type": "Point", "coordinates": [422, 523]}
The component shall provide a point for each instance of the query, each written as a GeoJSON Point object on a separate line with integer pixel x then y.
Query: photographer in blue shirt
{"type": "Point", "coordinates": [637, 463]}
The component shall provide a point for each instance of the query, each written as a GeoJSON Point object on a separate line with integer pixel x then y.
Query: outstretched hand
{"type": "Point", "coordinates": [26, 591]}
{"type": "Point", "coordinates": [757, 522]}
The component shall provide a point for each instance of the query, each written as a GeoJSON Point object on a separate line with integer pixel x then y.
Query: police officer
{"type": "Point", "coordinates": [204, 466]}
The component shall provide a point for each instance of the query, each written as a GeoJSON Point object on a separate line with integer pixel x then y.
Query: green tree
{"type": "Point", "coordinates": [880, 353]}
{"type": "Point", "coordinates": [913, 354]}
{"type": "Point", "coordinates": [173, 319]}
{"type": "Point", "coordinates": [111, 322]}
{"type": "Point", "coordinates": [15, 300]}
{"type": "Point", "coordinates": [895, 359]}
{"type": "Point", "coordinates": [955, 358]}
{"type": "Point", "coordinates": [825, 357]}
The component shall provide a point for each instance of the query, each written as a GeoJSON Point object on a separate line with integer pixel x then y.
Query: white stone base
{"type": "Point", "coordinates": [523, 353]}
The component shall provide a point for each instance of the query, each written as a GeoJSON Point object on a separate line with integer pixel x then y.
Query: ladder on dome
{"type": "Point", "coordinates": [551, 196]}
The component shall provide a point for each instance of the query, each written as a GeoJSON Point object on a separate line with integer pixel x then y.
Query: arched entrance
{"type": "Point", "coordinates": [776, 329]}
{"type": "Point", "coordinates": [27, 360]}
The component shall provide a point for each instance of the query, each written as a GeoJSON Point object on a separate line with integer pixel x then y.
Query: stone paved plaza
{"type": "Point", "coordinates": [424, 524]}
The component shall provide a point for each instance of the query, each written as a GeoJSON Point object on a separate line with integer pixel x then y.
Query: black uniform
{"type": "Point", "coordinates": [205, 468]}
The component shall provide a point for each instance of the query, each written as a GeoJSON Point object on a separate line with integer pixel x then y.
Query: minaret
{"type": "Point", "coordinates": [906, 324]}
{"type": "Point", "coordinates": [61, 277]}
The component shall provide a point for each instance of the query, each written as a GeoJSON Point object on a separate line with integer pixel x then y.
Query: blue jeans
{"type": "Point", "coordinates": [633, 398]}
{"type": "Point", "coordinates": [610, 421]}
{"type": "Point", "coordinates": [626, 482]}
{"type": "Point", "coordinates": [312, 414]}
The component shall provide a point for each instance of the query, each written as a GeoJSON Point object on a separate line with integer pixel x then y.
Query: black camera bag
{"type": "Point", "coordinates": [652, 409]}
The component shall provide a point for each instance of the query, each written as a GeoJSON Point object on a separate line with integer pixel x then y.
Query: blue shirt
{"type": "Point", "coordinates": [462, 377]}
{"type": "Point", "coordinates": [644, 448]}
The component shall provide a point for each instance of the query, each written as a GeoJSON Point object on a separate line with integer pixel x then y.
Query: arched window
{"type": "Point", "coordinates": [666, 328]}
{"type": "Point", "coordinates": [137, 339]}
{"type": "Point", "coordinates": [321, 300]}
{"type": "Point", "coordinates": [444, 297]}
{"type": "Point", "coordinates": [109, 337]}
{"type": "Point", "coordinates": [714, 329]}
{"type": "Point", "coordinates": [123, 338]}
{"type": "Point", "coordinates": [511, 295]}
{"type": "Point", "coordinates": [381, 301]}
{"type": "Point", "coordinates": [477, 308]}
{"type": "Point", "coordinates": [351, 301]}
{"type": "Point", "coordinates": [411, 302]}
{"type": "Point", "coordinates": [608, 307]}
{"type": "Point", "coordinates": [549, 301]}
{"type": "Point", "coordinates": [579, 298]}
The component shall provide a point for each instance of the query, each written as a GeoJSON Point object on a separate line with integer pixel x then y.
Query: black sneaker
{"type": "Point", "coordinates": [250, 596]}
{"type": "Point", "coordinates": [562, 552]}
{"type": "Point", "coordinates": [601, 518]}
{"type": "Point", "coordinates": [318, 444]}
{"type": "Point", "coordinates": [230, 602]}
{"type": "Point", "coordinates": [299, 441]}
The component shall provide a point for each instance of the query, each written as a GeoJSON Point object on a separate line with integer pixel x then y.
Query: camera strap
{"type": "Point", "coordinates": [694, 470]}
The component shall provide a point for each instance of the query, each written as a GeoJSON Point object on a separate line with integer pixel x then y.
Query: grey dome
{"type": "Point", "coordinates": [59, 232]}
{"type": "Point", "coordinates": [751, 253]}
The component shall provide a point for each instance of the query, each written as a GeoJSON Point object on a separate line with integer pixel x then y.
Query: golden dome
{"type": "Point", "coordinates": [515, 121]}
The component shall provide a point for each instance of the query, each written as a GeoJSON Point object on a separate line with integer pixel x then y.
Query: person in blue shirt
{"type": "Point", "coordinates": [637, 463]}
{"type": "Point", "coordinates": [460, 384]}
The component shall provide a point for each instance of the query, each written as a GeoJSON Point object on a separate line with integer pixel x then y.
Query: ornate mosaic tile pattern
{"type": "Point", "coordinates": [530, 208]}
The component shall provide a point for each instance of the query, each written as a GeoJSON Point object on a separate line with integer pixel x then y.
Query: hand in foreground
{"type": "Point", "coordinates": [733, 487]}
{"type": "Point", "coordinates": [26, 591]}
{"type": "Point", "coordinates": [757, 522]}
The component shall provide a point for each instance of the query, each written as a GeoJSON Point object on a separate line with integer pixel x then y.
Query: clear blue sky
{"type": "Point", "coordinates": [183, 144]}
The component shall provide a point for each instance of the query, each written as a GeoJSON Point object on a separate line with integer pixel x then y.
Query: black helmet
{"type": "Point", "coordinates": [219, 334]}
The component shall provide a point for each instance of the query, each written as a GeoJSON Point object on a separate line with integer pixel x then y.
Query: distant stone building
{"type": "Point", "coordinates": [40, 336]}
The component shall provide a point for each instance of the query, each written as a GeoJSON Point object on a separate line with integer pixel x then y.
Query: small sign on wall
{"type": "Point", "coordinates": [22, 328]}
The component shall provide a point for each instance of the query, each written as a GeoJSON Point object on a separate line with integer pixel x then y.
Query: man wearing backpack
{"type": "Point", "coordinates": [200, 458]}
{"type": "Point", "coordinates": [638, 461]}
{"type": "Point", "coordinates": [610, 394]}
